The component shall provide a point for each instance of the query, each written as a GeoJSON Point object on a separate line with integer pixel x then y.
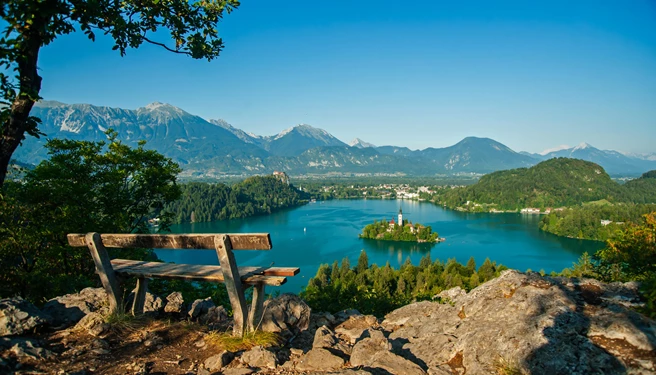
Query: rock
{"type": "Point", "coordinates": [287, 315]}
{"type": "Point", "coordinates": [324, 338]}
{"type": "Point", "coordinates": [174, 303]}
{"type": "Point", "coordinates": [202, 371]}
{"type": "Point", "coordinates": [93, 323]}
{"type": "Point", "coordinates": [451, 294]}
{"type": "Point", "coordinates": [355, 325]}
{"type": "Point", "coordinates": [200, 307]}
{"type": "Point", "coordinates": [364, 350]}
{"type": "Point", "coordinates": [200, 344]}
{"type": "Point", "coordinates": [18, 316]}
{"type": "Point", "coordinates": [214, 314]}
{"type": "Point", "coordinates": [260, 357]}
{"type": "Point", "coordinates": [238, 371]}
{"type": "Point", "coordinates": [322, 319]}
{"type": "Point", "coordinates": [546, 325]}
{"type": "Point", "coordinates": [218, 361]}
{"type": "Point", "coordinates": [345, 314]}
{"type": "Point", "coordinates": [319, 360]}
{"type": "Point", "coordinates": [69, 309]}
{"type": "Point", "coordinates": [24, 348]}
{"type": "Point", "coordinates": [395, 364]}
{"type": "Point", "coordinates": [152, 304]}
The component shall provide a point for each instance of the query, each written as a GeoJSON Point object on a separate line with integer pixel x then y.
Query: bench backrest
{"type": "Point", "coordinates": [239, 241]}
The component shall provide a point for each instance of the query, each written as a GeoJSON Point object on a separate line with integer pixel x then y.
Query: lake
{"type": "Point", "coordinates": [323, 232]}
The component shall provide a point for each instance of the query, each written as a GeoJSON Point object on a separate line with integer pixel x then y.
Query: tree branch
{"type": "Point", "coordinates": [166, 47]}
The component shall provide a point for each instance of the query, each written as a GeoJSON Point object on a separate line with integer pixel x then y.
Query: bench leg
{"type": "Point", "coordinates": [255, 315]}
{"type": "Point", "coordinates": [139, 296]}
{"type": "Point", "coordinates": [232, 282]}
{"type": "Point", "coordinates": [105, 270]}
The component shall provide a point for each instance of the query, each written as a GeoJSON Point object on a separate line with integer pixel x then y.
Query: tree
{"type": "Point", "coordinates": [363, 262]}
{"type": "Point", "coordinates": [83, 187]}
{"type": "Point", "coordinates": [34, 24]}
{"type": "Point", "coordinates": [632, 252]}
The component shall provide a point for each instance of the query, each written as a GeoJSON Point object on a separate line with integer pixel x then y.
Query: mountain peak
{"type": "Point", "coordinates": [304, 129]}
{"type": "Point", "coordinates": [582, 146]}
{"type": "Point", "coordinates": [158, 106]}
{"type": "Point", "coordinates": [359, 143]}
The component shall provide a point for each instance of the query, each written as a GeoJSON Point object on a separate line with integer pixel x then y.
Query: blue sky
{"type": "Point", "coordinates": [530, 74]}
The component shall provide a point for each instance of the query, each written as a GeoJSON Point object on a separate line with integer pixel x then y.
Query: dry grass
{"type": "Point", "coordinates": [225, 340]}
{"type": "Point", "coordinates": [125, 323]}
{"type": "Point", "coordinates": [505, 366]}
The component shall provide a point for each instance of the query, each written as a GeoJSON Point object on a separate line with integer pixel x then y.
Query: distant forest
{"type": "Point", "coordinates": [200, 202]}
{"type": "Point", "coordinates": [559, 182]}
{"type": "Point", "coordinates": [583, 189]}
{"type": "Point", "coordinates": [585, 222]}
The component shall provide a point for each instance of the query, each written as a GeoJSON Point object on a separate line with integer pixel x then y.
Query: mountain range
{"type": "Point", "coordinates": [215, 147]}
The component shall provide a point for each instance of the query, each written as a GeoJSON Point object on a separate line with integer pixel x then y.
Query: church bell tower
{"type": "Point", "coordinates": [400, 217]}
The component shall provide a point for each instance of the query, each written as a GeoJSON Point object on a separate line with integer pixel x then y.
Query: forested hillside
{"type": "Point", "coordinates": [253, 196]}
{"type": "Point", "coordinates": [553, 183]}
{"type": "Point", "coordinates": [597, 222]}
{"type": "Point", "coordinates": [643, 189]}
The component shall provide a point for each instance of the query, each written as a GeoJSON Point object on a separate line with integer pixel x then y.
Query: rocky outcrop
{"type": "Point", "coordinates": [287, 315]}
{"type": "Point", "coordinates": [218, 361]}
{"type": "Point", "coordinates": [69, 309]}
{"type": "Point", "coordinates": [18, 316]}
{"type": "Point", "coordinates": [93, 323]}
{"type": "Point", "coordinates": [174, 303]}
{"type": "Point", "coordinates": [205, 312]}
{"type": "Point", "coordinates": [531, 323]}
{"type": "Point", "coordinates": [260, 357]}
{"type": "Point", "coordinates": [355, 325]}
{"type": "Point", "coordinates": [518, 323]}
{"type": "Point", "coordinates": [320, 359]}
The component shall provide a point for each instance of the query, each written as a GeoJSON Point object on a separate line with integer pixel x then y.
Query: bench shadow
{"type": "Point", "coordinates": [582, 355]}
{"type": "Point", "coordinates": [397, 348]}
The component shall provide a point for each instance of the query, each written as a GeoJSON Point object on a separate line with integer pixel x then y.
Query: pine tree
{"type": "Point", "coordinates": [363, 263]}
{"type": "Point", "coordinates": [471, 265]}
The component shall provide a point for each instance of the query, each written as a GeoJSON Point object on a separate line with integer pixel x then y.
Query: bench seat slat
{"type": "Point", "coordinates": [249, 275]}
{"type": "Point", "coordinates": [239, 241]}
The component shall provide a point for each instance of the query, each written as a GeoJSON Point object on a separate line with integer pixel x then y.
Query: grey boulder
{"type": "Point", "coordinates": [18, 316]}
{"type": "Point", "coordinates": [287, 315]}
{"type": "Point", "coordinates": [69, 309]}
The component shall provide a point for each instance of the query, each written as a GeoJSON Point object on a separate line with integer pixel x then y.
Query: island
{"type": "Point", "coordinates": [400, 230]}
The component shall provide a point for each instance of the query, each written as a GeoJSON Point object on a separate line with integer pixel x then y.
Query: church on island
{"type": "Point", "coordinates": [408, 224]}
{"type": "Point", "coordinates": [400, 230]}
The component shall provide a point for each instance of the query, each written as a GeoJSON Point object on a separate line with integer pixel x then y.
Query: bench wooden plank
{"type": "Point", "coordinates": [194, 272]}
{"type": "Point", "coordinates": [197, 268]}
{"type": "Point", "coordinates": [104, 269]}
{"type": "Point", "coordinates": [232, 280]}
{"type": "Point", "coordinates": [240, 241]}
{"type": "Point", "coordinates": [255, 314]}
{"type": "Point", "coordinates": [140, 296]}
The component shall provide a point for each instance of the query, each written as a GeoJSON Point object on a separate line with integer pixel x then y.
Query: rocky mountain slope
{"type": "Point", "coordinates": [215, 147]}
{"type": "Point", "coordinates": [478, 155]}
{"type": "Point", "coordinates": [515, 324]}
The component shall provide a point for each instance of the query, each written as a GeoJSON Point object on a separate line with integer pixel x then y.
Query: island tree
{"type": "Point", "coordinates": [31, 25]}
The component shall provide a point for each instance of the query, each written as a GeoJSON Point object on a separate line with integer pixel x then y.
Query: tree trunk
{"type": "Point", "coordinates": [13, 130]}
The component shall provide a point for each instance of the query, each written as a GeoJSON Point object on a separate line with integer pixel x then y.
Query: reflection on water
{"type": "Point", "coordinates": [324, 232]}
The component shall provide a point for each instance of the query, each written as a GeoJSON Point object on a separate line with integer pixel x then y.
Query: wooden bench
{"type": "Point", "coordinates": [235, 278]}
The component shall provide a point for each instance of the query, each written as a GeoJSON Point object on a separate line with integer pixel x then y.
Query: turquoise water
{"type": "Point", "coordinates": [323, 232]}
